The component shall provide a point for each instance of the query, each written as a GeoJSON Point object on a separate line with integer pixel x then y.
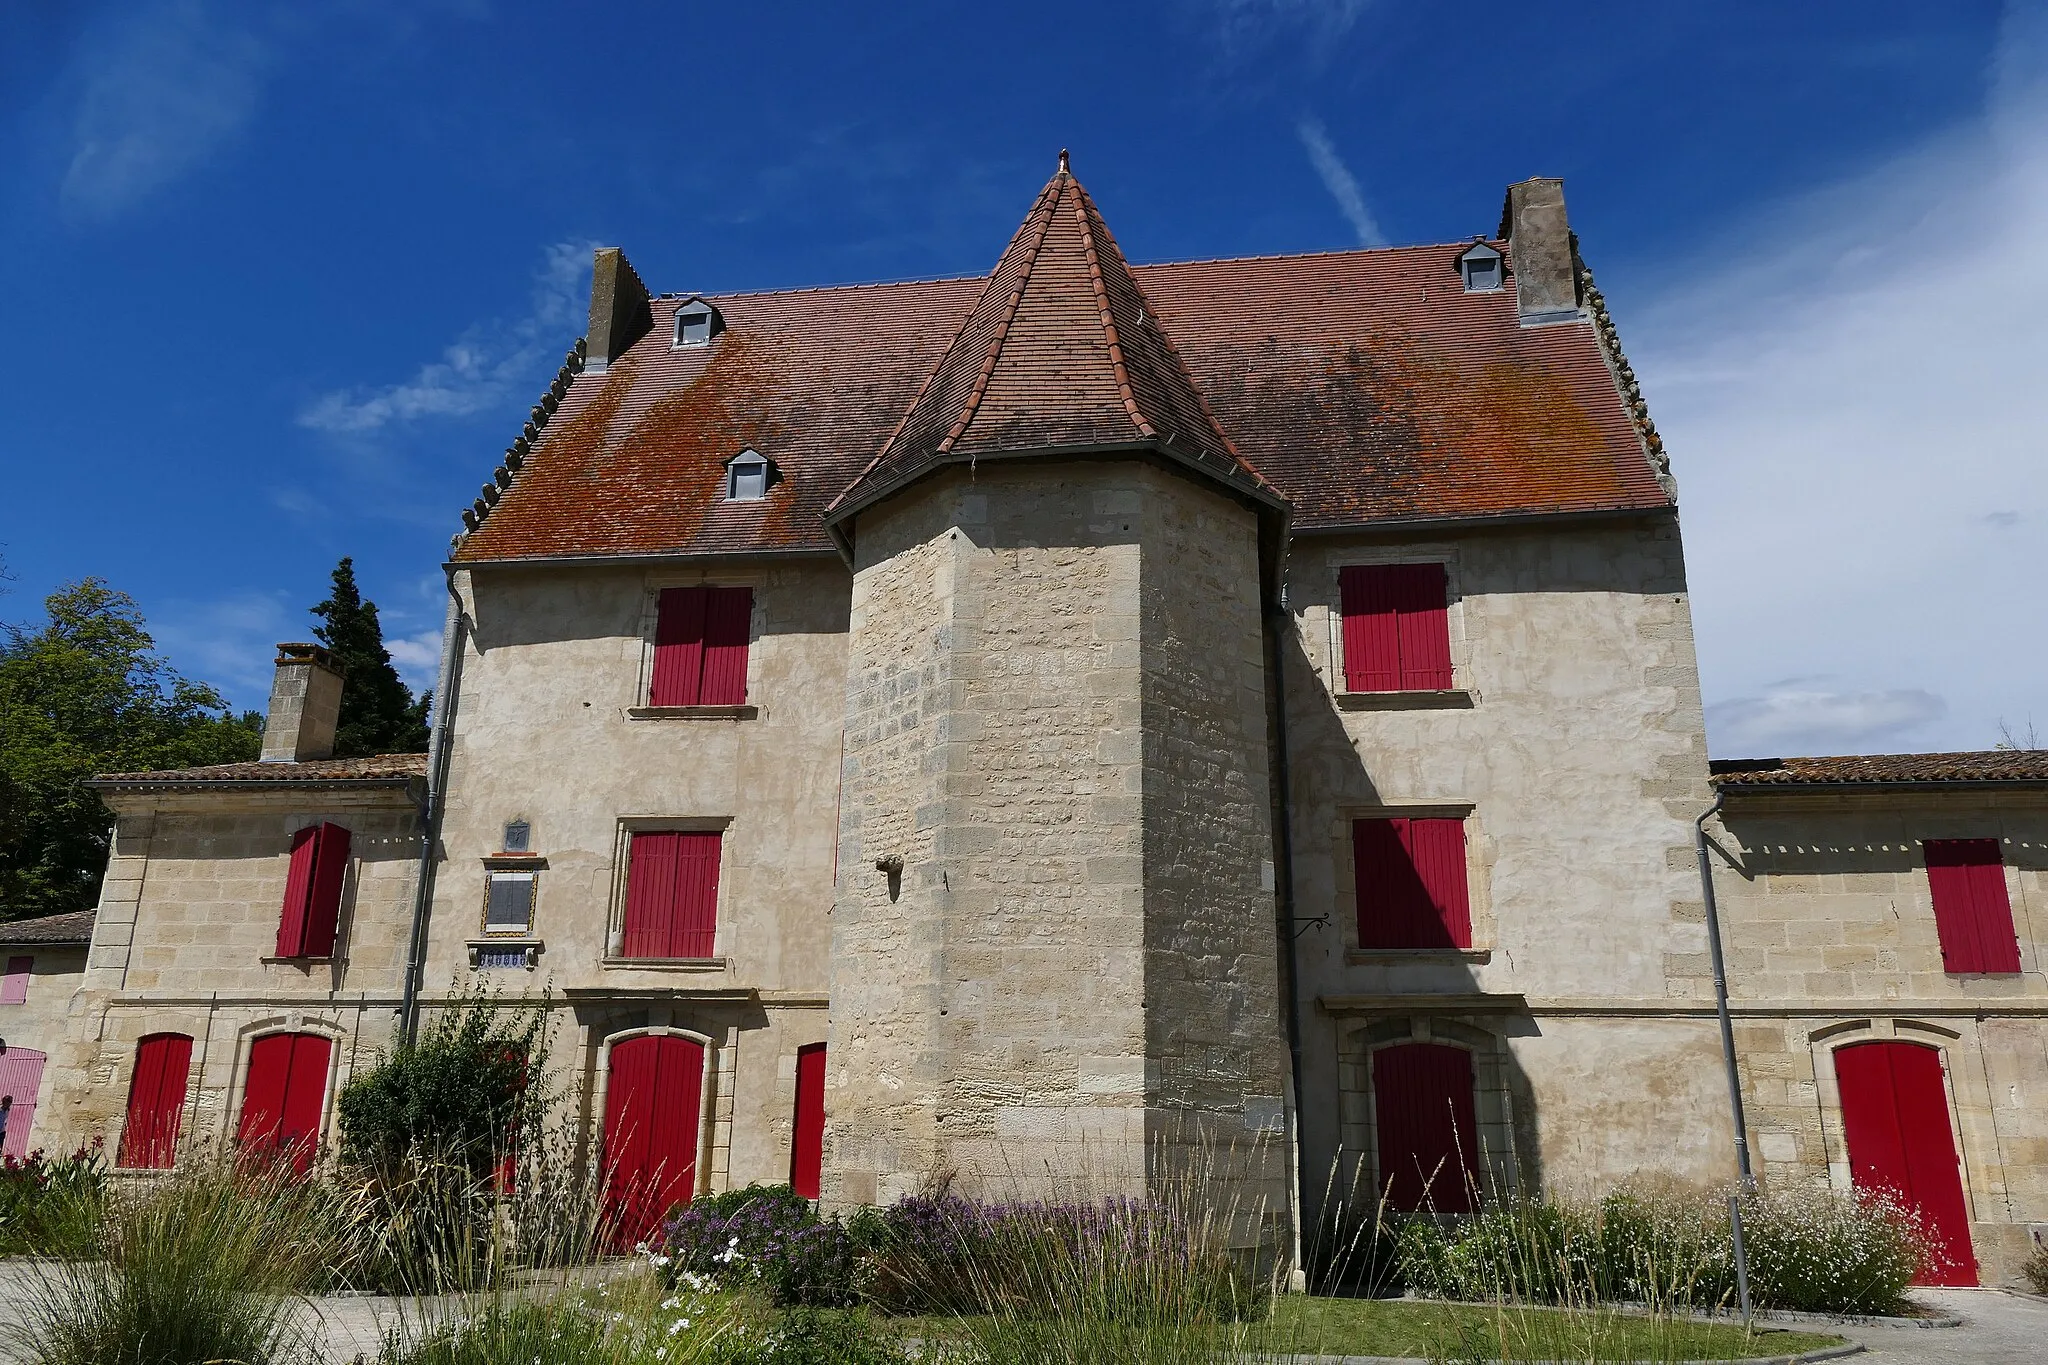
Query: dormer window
{"type": "Point", "coordinates": [1483, 269]}
{"type": "Point", "coordinates": [746, 477]}
{"type": "Point", "coordinates": [697, 322]}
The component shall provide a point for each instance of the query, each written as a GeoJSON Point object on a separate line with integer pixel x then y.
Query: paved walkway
{"type": "Point", "coordinates": [1997, 1329]}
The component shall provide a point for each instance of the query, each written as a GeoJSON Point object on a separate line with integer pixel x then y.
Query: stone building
{"type": "Point", "coordinates": [1043, 719]}
{"type": "Point", "coordinates": [42, 958]}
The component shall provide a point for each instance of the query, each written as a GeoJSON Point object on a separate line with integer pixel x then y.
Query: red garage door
{"type": "Point", "coordinates": [1895, 1118]}
{"type": "Point", "coordinates": [652, 1111]}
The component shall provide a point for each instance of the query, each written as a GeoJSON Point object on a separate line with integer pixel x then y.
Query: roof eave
{"type": "Point", "coordinates": [145, 784]}
{"type": "Point", "coordinates": [1483, 520]}
{"type": "Point", "coordinates": [1733, 789]}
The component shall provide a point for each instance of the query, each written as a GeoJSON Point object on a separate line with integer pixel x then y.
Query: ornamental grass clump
{"type": "Point", "coordinates": [210, 1263]}
{"type": "Point", "coordinates": [52, 1207]}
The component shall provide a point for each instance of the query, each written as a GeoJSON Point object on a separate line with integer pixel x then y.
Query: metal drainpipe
{"type": "Point", "coordinates": [1699, 829]}
{"type": "Point", "coordinates": [431, 810]}
{"type": "Point", "coordinates": [1284, 877]}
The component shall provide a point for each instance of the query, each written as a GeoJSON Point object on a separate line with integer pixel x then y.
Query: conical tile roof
{"type": "Point", "coordinates": [1061, 353]}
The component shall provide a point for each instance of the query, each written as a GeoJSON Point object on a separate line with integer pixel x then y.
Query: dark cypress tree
{"type": "Point", "coordinates": [379, 714]}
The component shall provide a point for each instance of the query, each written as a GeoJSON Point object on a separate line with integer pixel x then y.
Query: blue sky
{"type": "Point", "coordinates": [284, 280]}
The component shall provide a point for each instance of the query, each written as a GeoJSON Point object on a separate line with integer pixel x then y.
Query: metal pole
{"type": "Point", "coordinates": [1727, 1060]}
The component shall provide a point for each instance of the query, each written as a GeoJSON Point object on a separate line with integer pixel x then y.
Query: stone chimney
{"type": "Point", "coordinates": [305, 704]}
{"type": "Point", "coordinates": [619, 311]}
{"type": "Point", "coordinates": [1540, 251]}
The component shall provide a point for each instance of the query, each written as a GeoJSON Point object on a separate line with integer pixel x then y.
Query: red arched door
{"type": "Point", "coordinates": [653, 1107]}
{"type": "Point", "coordinates": [1895, 1119]}
{"type": "Point", "coordinates": [1423, 1121]}
{"type": "Point", "coordinates": [284, 1097]}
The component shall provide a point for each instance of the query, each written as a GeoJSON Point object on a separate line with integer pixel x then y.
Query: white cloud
{"type": "Point", "coordinates": [491, 362]}
{"type": "Point", "coordinates": [1798, 717]}
{"type": "Point", "coordinates": [1849, 392]}
{"type": "Point", "coordinates": [418, 658]}
{"type": "Point", "coordinates": [1246, 23]}
{"type": "Point", "coordinates": [160, 93]}
{"type": "Point", "coordinates": [229, 642]}
{"type": "Point", "coordinates": [1338, 180]}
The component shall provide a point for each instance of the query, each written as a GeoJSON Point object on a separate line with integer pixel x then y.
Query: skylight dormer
{"type": "Point", "coordinates": [1484, 270]}
{"type": "Point", "coordinates": [747, 476]}
{"type": "Point", "coordinates": [697, 322]}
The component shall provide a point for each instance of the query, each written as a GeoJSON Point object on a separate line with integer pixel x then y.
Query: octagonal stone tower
{"type": "Point", "coordinates": [1054, 953]}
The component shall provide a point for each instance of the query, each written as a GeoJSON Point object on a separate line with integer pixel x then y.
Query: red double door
{"type": "Point", "coordinates": [653, 1110]}
{"type": "Point", "coordinates": [284, 1097]}
{"type": "Point", "coordinates": [1895, 1119]}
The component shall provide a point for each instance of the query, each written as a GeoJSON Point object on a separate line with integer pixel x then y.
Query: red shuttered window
{"type": "Point", "coordinates": [156, 1101]}
{"type": "Point", "coordinates": [1971, 911]}
{"type": "Point", "coordinates": [1411, 883]}
{"type": "Point", "coordinates": [1397, 629]}
{"type": "Point", "coordinates": [284, 1097]}
{"type": "Point", "coordinates": [700, 647]}
{"type": "Point", "coordinates": [14, 985]}
{"type": "Point", "coordinates": [312, 892]}
{"type": "Point", "coordinates": [807, 1139]}
{"type": "Point", "coordinates": [1425, 1127]}
{"type": "Point", "coordinates": [671, 894]}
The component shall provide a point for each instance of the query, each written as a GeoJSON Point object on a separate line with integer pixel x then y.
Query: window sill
{"type": "Point", "coordinates": [298, 961]}
{"type": "Point", "coordinates": [693, 712]}
{"type": "Point", "coordinates": [1449, 699]}
{"type": "Point", "coordinates": [1358, 957]}
{"type": "Point", "coordinates": [665, 964]}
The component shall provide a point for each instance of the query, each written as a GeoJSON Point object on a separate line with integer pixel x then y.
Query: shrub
{"type": "Point", "coordinates": [810, 1336]}
{"type": "Point", "coordinates": [207, 1264]}
{"type": "Point", "coordinates": [1537, 1250]}
{"type": "Point", "coordinates": [52, 1207]}
{"type": "Point", "coordinates": [1820, 1251]}
{"type": "Point", "coordinates": [772, 1237]}
{"type": "Point", "coordinates": [2035, 1268]}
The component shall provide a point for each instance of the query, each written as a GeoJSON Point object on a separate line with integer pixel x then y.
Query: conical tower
{"type": "Point", "coordinates": [1053, 939]}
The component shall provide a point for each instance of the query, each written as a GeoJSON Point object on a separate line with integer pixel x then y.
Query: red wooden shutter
{"type": "Point", "coordinates": [1972, 913]}
{"type": "Point", "coordinates": [284, 1096]}
{"type": "Point", "coordinates": [728, 619]}
{"type": "Point", "coordinates": [652, 1111]}
{"type": "Point", "coordinates": [156, 1101]}
{"type": "Point", "coordinates": [672, 894]}
{"type": "Point", "coordinates": [678, 647]}
{"type": "Point", "coordinates": [21, 1080]}
{"type": "Point", "coordinates": [651, 893]}
{"type": "Point", "coordinates": [323, 904]}
{"type": "Point", "coordinates": [1410, 880]}
{"type": "Point", "coordinates": [14, 987]}
{"type": "Point", "coordinates": [298, 892]}
{"type": "Point", "coordinates": [807, 1141]}
{"type": "Point", "coordinates": [1372, 642]}
{"type": "Point", "coordinates": [1424, 626]}
{"type": "Point", "coordinates": [1424, 1122]}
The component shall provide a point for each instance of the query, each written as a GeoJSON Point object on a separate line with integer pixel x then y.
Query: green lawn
{"type": "Point", "coordinates": [1406, 1327]}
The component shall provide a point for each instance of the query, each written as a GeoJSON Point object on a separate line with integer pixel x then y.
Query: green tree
{"type": "Point", "coordinates": [379, 714]}
{"type": "Point", "coordinates": [86, 692]}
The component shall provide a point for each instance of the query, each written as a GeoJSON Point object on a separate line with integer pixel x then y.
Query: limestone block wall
{"type": "Point", "coordinates": [37, 1025]}
{"type": "Point", "coordinates": [1016, 996]}
{"type": "Point", "coordinates": [1572, 745]}
{"type": "Point", "coordinates": [552, 729]}
{"type": "Point", "coordinates": [1829, 927]}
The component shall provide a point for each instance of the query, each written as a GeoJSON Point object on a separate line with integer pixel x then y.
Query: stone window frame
{"type": "Point", "coordinates": [715, 1094]}
{"type": "Point", "coordinates": [1478, 885]}
{"type": "Point", "coordinates": [1493, 1107]}
{"type": "Point", "coordinates": [1460, 695]}
{"type": "Point", "coordinates": [650, 612]}
{"type": "Point", "coordinates": [1825, 1040]}
{"type": "Point", "coordinates": [340, 1042]}
{"type": "Point", "coordinates": [624, 829]}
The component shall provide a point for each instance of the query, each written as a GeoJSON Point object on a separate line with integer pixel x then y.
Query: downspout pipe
{"type": "Point", "coordinates": [432, 807]}
{"type": "Point", "coordinates": [1282, 622]}
{"type": "Point", "coordinates": [1701, 846]}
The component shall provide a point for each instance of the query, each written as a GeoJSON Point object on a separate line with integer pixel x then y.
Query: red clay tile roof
{"type": "Point", "coordinates": [1062, 351]}
{"type": "Point", "coordinates": [54, 931]}
{"type": "Point", "coordinates": [1992, 765]}
{"type": "Point", "coordinates": [1363, 386]}
{"type": "Point", "coordinates": [391, 769]}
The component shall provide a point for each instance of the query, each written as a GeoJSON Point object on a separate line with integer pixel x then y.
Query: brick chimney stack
{"type": "Point", "coordinates": [1540, 251]}
{"type": "Point", "coordinates": [305, 705]}
{"type": "Point", "coordinates": [619, 311]}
